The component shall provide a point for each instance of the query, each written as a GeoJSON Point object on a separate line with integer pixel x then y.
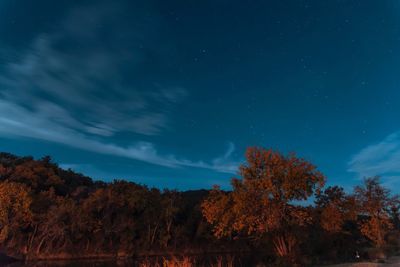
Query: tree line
{"type": "Point", "coordinates": [48, 212]}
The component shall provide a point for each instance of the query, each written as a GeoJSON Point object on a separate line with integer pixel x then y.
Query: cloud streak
{"type": "Point", "coordinates": [22, 122]}
{"type": "Point", "coordinates": [87, 81]}
{"type": "Point", "coordinates": [382, 159]}
{"type": "Point", "coordinates": [68, 89]}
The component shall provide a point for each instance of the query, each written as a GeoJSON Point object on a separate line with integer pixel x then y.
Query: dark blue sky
{"type": "Point", "coordinates": [170, 93]}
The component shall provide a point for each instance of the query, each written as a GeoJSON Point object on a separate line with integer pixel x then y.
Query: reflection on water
{"type": "Point", "coordinates": [83, 263]}
{"type": "Point", "coordinates": [155, 261]}
{"type": "Point", "coordinates": [91, 263]}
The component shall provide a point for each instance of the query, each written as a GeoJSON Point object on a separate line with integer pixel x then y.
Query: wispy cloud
{"type": "Point", "coordinates": [18, 121]}
{"type": "Point", "coordinates": [72, 88]}
{"type": "Point", "coordinates": [87, 78]}
{"type": "Point", "coordinates": [382, 158]}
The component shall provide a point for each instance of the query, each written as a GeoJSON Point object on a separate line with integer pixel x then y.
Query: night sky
{"type": "Point", "coordinates": [170, 93]}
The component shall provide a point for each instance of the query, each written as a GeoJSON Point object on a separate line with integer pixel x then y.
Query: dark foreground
{"type": "Point", "coordinates": [176, 261]}
{"type": "Point", "coordinates": [391, 262]}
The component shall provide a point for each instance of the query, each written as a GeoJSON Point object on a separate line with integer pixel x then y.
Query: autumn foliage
{"type": "Point", "coordinates": [375, 203]}
{"type": "Point", "coordinates": [266, 204]}
{"type": "Point", "coordinates": [267, 216]}
{"type": "Point", "coordinates": [47, 212]}
{"type": "Point", "coordinates": [261, 203]}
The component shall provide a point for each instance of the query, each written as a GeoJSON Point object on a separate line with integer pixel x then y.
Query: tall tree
{"type": "Point", "coordinates": [261, 202]}
{"type": "Point", "coordinates": [375, 202]}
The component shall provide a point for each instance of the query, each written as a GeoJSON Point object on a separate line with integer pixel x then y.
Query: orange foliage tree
{"type": "Point", "coordinates": [15, 213]}
{"type": "Point", "coordinates": [262, 201]}
{"type": "Point", "coordinates": [335, 208]}
{"type": "Point", "coordinates": [375, 203]}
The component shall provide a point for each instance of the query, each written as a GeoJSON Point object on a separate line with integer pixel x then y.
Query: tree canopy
{"type": "Point", "coordinates": [262, 200]}
{"type": "Point", "coordinates": [47, 212]}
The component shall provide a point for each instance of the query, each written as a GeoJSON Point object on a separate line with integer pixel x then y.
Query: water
{"type": "Point", "coordinates": [198, 260]}
{"type": "Point", "coordinates": [82, 263]}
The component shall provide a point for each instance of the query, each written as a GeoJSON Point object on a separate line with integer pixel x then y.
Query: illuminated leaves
{"type": "Point", "coordinates": [15, 213]}
{"type": "Point", "coordinates": [335, 209]}
{"type": "Point", "coordinates": [374, 204]}
{"type": "Point", "coordinates": [262, 201]}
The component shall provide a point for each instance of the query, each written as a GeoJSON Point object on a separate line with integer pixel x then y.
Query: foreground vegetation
{"type": "Point", "coordinates": [50, 213]}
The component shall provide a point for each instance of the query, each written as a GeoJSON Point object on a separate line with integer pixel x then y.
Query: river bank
{"type": "Point", "coordinates": [390, 262]}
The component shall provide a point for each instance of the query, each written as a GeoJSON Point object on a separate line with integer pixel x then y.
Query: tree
{"type": "Point", "coordinates": [334, 231]}
{"type": "Point", "coordinates": [114, 216]}
{"type": "Point", "coordinates": [15, 214]}
{"type": "Point", "coordinates": [374, 203]}
{"type": "Point", "coordinates": [335, 208]}
{"type": "Point", "coordinates": [261, 202]}
{"type": "Point", "coordinates": [170, 203]}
